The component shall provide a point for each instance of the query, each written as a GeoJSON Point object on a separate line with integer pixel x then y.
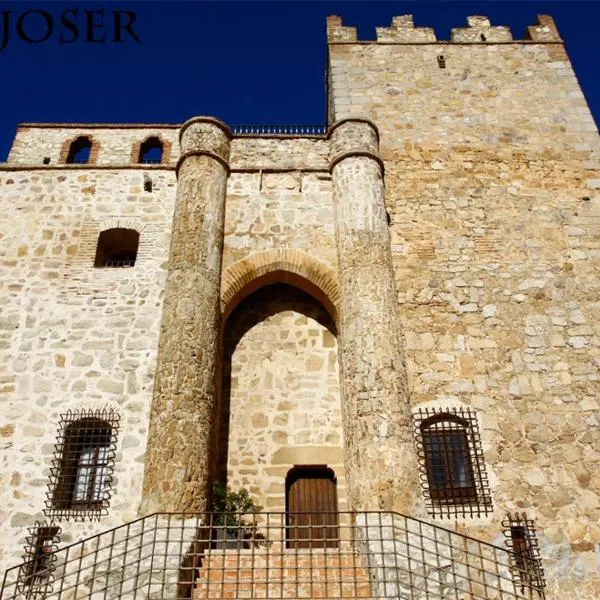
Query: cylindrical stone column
{"type": "Point", "coordinates": [381, 465]}
{"type": "Point", "coordinates": [178, 458]}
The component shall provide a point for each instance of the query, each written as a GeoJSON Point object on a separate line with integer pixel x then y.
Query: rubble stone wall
{"type": "Point", "coordinates": [73, 336]}
{"type": "Point", "coordinates": [282, 404]}
{"type": "Point", "coordinates": [493, 191]}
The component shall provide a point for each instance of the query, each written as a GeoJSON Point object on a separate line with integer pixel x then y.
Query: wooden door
{"type": "Point", "coordinates": [312, 508]}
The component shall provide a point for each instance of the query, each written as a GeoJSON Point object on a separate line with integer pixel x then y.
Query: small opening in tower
{"type": "Point", "coordinates": [46, 160]}
{"type": "Point", "coordinates": [80, 150]}
{"type": "Point", "coordinates": [147, 183]}
{"type": "Point", "coordinates": [441, 61]}
{"type": "Point", "coordinates": [482, 36]}
{"type": "Point", "coordinates": [151, 151]}
{"type": "Point", "coordinates": [117, 247]}
{"type": "Point", "coordinates": [388, 217]}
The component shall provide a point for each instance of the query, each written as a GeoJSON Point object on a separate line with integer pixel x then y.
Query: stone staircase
{"type": "Point", "coordinates": [301, 573]}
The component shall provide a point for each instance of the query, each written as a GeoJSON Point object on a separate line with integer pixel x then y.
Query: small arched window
{"type": "Point", "coordinates": [80, 150]}
{"type": "Point", "coordinates": [117, 247]}
{"type": "Point", "coordinates": [151, 151]}
{"type": "Point", "coordinates": [85, 465]}
{"type": "Point", "coordinates": [453, 475]}
{"type": "Point", "coordinates": [447, 458]}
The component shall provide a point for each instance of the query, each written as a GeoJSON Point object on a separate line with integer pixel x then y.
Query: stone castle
{"type": "Point", "coordinates": [402, 306]}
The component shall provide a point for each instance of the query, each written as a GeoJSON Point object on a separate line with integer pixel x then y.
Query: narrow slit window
{"type": "Point", "coordinates": [36, 573]}
{"type": "Point", "coordinates": [147, 183]}
{"type": "Point", "coordinates": [526, 563]}
{"type": "Point", "coordinates": [117, 247]}
{"type": "Point", "coordinates": [80, 151]}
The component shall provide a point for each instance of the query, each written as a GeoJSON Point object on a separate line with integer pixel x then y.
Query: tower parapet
{"type": "Point", "coordinates": [403, 30]}
{"type": "Point", "coordinates": [544, 31]}
{"type": "Point", "coordinates": [478, 30]}
{"type": "Point", "coordinates": [337, 32]}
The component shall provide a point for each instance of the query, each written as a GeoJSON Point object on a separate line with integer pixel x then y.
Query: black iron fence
{"type": "Point", "coordinates": [275, 555]}
{"type": "Point", "coordinates": [280, 130]}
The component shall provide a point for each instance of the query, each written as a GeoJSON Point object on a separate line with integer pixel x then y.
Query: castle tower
{"type": "Point", "coordinates": [178, 459]}
{"type": "Point", "coordinates": [385, 328]}
{"type": "Point", "coordinates": [379, 446]}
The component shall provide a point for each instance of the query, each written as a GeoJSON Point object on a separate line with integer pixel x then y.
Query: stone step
{"type": "Point", "coordinates": [316, 573]}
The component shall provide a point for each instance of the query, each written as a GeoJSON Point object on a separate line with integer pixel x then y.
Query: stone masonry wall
{"type": "Point", "coordinates": [281, 393]}
{"type": "Point", "coordinates": [279, 210]}
{"type": "Point", "coordinates": [34, 142]}
{"type": "Point", "coordinates": [73, 336]}
{"type": "Point", "coordinates": [492, 186]}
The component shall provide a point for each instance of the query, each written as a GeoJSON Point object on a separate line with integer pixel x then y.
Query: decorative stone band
{"type": "Point", "coordinates": [335, 160]}
{"type": "Point", "coordinates": [217, 157]}
{"type": "Point", "coordinates": [353, 136]}
{"type": "Point", "coordinates": [353, 119]}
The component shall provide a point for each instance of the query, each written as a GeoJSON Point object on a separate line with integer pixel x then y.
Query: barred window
{"type": "Point", "coordinates": [526, 564]}
{"type": "Point", "coordinates": [117, 247]}
{"type": "Point", "coordinates": [83, 464]}
{"type": "Point", "coordinates": [36, 572]}
{"type": "Point", "coordinates": [453, 476]}
{"type": "Point", "coordinates": [80, 151]}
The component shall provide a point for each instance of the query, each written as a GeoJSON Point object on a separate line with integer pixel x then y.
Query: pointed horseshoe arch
{"type": "Point", "coordinates": [283, 265]}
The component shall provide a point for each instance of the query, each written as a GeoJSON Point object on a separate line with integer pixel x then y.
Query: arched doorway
{"type": "Point", "coordinates": [281, 401]}
{"type": "Point", "coordinates": [311, 507]}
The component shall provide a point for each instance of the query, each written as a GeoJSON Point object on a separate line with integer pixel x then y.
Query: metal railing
{"type": "Point", "coordinates": [274, 555]}
{"type": "Point", "coordinates": [279, 130]}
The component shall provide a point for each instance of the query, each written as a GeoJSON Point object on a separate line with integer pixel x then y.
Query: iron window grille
{"type": "Point", "coordinates": [82, 466]}
{"type": "Point", "coordinates": [36, 574]}
{"type": "Point", "coordinates": [526, 563]}
{"type": "Point", "coordinates": [452, 468]}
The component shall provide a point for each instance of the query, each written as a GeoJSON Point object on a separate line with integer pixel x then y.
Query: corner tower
{"type": "Point", "coordinates": [179, 455]}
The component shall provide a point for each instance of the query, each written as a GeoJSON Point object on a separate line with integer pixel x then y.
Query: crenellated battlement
{"type": "Point", "coordinates": [403, 30]}
{"type": "Point", "coordinates": [478, 30]}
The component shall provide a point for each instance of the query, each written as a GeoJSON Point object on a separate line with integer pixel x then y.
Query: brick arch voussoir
{"type": "Point", "coordinates": [295, 267]}
{"type": "Point", "coordinates": [121, 223]}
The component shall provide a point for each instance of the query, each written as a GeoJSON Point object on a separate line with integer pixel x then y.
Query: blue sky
{"type": "Point", "coordinates": [245, 62]}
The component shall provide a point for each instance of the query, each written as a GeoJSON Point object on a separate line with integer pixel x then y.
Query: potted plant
{"type": "Point", "coordinates": [231, 529]}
